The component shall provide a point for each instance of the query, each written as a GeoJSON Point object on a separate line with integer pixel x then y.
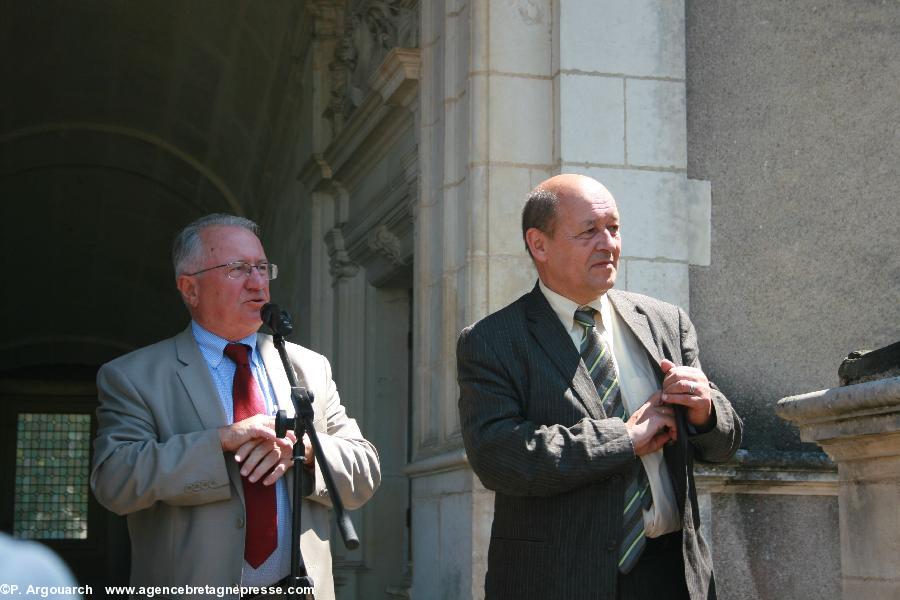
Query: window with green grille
{"type": "Point", "coordinates": [51, 481]}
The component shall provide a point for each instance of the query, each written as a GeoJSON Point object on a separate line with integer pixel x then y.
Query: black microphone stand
{"type": "Point", "coordinates": [279, 321]}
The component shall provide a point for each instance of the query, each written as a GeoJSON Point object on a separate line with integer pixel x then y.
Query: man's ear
{"type": "Point", "coordinates": [537, 243]}
{"type": "Point", "coordinates": [187, 285]}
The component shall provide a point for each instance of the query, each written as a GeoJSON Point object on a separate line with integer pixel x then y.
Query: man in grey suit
{"type": "Point", "coordinates": [186, 443]}
{"type": "Point", "coordinates": [583, 408]}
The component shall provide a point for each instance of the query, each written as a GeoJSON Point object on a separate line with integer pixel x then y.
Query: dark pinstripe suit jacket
{"type": "Point", "coordinates": [535, 433]}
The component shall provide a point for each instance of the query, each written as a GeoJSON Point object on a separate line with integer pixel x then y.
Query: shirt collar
{"type": "Point", "coordinates": [212, 347]}
{"type": "Point", "coordinates": [565, 308]}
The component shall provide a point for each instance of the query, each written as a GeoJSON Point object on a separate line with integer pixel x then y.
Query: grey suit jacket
{"type": "Point", "coordinates": [535, 432]}
{"type": "Point", "coordinates": [157, 459]}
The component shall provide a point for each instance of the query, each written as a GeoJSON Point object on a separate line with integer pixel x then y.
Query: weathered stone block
{"type": "Point", "coordinates": [591, 119]}
{"type": "Point", "coordinates": [521, 123]}
{"type": "Point", "coordinates": [509, 187]}
{"type": "Point", "coordinates": [521, 37]}
{"type": "Point", "coordinates": [666, 281]}
{"type": "Point", "coordinates": [640, 37]}
{"type": "Point", "coordinates": [860, 367]}
{"type": "Point", "coordinates": [656, 127]}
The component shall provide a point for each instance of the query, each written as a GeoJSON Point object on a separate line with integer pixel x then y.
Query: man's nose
{"type": "Point", "coordinates": [256, 280]}
{"type": "Point", "coordinates": [606, 240]}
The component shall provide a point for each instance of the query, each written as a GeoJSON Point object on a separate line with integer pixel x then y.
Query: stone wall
{"type": "Point", "coordinates": [792, 117]}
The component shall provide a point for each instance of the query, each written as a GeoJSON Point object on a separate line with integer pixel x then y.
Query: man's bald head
{"type": "Point", "coordinates": [573, 185]}
{"type": "Point", "coordinates": [542, 205]}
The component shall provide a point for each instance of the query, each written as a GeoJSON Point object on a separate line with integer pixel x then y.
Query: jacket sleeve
{"type": "Point", "coordinates": [724, 438]}
{"type": "Point", "coordinates": [354, 461]}
{"type": "Point", "coordinates": [518, 457]}
{"type": "Point", "coordinates": [133, 469]}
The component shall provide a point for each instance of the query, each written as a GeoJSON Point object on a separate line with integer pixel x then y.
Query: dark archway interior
{"type": "Point", "coordinates": [120, 122]}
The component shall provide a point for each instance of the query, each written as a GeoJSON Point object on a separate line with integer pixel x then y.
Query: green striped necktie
{"type": "Point", "coordinates": [599, 362]}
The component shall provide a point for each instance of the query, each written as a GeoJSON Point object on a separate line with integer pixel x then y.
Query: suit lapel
{"type": "Point", "coordinates": [203, 394]}
{"type": "Point", "coordinates": [198, 382]}
{"type": "Point", "coordinates": [638, 323]}
{"type": "Point", "coordinates": [550, 334]}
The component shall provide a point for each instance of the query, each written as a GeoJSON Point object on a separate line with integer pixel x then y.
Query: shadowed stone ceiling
{"type": "Point", "coordinates": [119, 123]}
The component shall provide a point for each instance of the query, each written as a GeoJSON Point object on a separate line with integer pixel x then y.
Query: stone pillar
{"type": "Point", "coordinates": [859, 427]}
{"type": "Point", "coordinates": [486, 138]}
{"type": "Point", "coordinates": [620, 116]}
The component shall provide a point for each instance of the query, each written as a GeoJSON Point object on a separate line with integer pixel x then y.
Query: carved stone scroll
{"type": "Point", "coordinates": [341, 266]}
{"type": "Point", "coordinates": [384, 241]}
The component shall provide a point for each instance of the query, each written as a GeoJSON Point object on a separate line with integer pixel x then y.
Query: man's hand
{"type": "Point", "coordinates": [651, 426]}
{"type": "Point", "coordinates": [309, 457]}
{"type": "Point", "coordinates": [257, 427]}
{"type": "Point", "coordinates": [688, 387]}
{"type": "Point", "coordinates": [256, 446]}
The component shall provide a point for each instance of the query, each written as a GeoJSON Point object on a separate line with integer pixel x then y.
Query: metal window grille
{"type": "Point", "coordinates": [52, 470]}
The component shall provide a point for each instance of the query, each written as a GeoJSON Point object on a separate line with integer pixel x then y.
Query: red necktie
{"type": "Point", "coordinates": [261, 536]}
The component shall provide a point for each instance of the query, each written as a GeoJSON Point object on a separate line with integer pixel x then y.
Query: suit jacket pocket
{"type": "Point", "coordinates": [517, 568]}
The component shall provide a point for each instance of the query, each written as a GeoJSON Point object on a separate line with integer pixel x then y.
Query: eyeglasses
{"type": "Point", "coordinates": [234, 270]}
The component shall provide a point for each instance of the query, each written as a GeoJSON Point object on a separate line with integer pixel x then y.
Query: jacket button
{"type": "Point", "coordinates": [239, 522]}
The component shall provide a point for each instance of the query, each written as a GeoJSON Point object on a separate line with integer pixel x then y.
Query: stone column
{"type": "Point", "coordinates": [486, 138]}
{"type": "Point", "coordinates": [859, 427]}
{"type": "Point", "coordinates": [620, 116]}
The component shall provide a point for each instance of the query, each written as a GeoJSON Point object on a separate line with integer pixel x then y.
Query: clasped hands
{"type": "Point", "coordinates": [653, 424]}
{"type": "Point", "coordinates": [259, 450]}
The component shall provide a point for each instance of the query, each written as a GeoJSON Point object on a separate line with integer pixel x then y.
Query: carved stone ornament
{"type": "Point", "coordinates": [372, 28]}
{"type": "Point", "coordinates": [531, 12]}
{"type": "Point", "coordinates": [340, 266]}
{"type": "Point", "coordinates": [382, 240]}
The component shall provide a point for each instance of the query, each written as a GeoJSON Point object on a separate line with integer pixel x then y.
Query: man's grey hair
{"type": "Point", "coordinates": [188, 247]}
{"type": "Point", "coordinates": [540, 213]}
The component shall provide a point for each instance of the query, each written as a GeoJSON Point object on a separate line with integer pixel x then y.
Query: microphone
{"type": "Point", "coordinates": [279, 321]}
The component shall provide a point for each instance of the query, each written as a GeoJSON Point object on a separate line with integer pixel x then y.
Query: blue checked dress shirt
{"type": "Point", "coordinates": [222, 369]}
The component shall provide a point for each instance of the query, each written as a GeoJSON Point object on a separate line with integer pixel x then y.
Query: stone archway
{"type": "Point", "coordinates": [120, 124]}
{"type": "Point", "coordinates": [91, 214]}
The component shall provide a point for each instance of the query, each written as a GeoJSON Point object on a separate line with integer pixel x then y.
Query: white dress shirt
{"type": "Point", "coordinates": [637, 382]}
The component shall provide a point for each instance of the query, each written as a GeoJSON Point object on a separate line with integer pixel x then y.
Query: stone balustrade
{"type": "Point", "coordinates": [858, 426]}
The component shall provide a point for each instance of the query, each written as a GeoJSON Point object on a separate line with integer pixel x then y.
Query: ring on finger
{"type": "Point", "coordinates": [691, 387]}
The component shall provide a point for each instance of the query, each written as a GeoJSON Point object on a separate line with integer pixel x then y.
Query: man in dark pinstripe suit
{"type": "Point", "coordinates": [572, 448]}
